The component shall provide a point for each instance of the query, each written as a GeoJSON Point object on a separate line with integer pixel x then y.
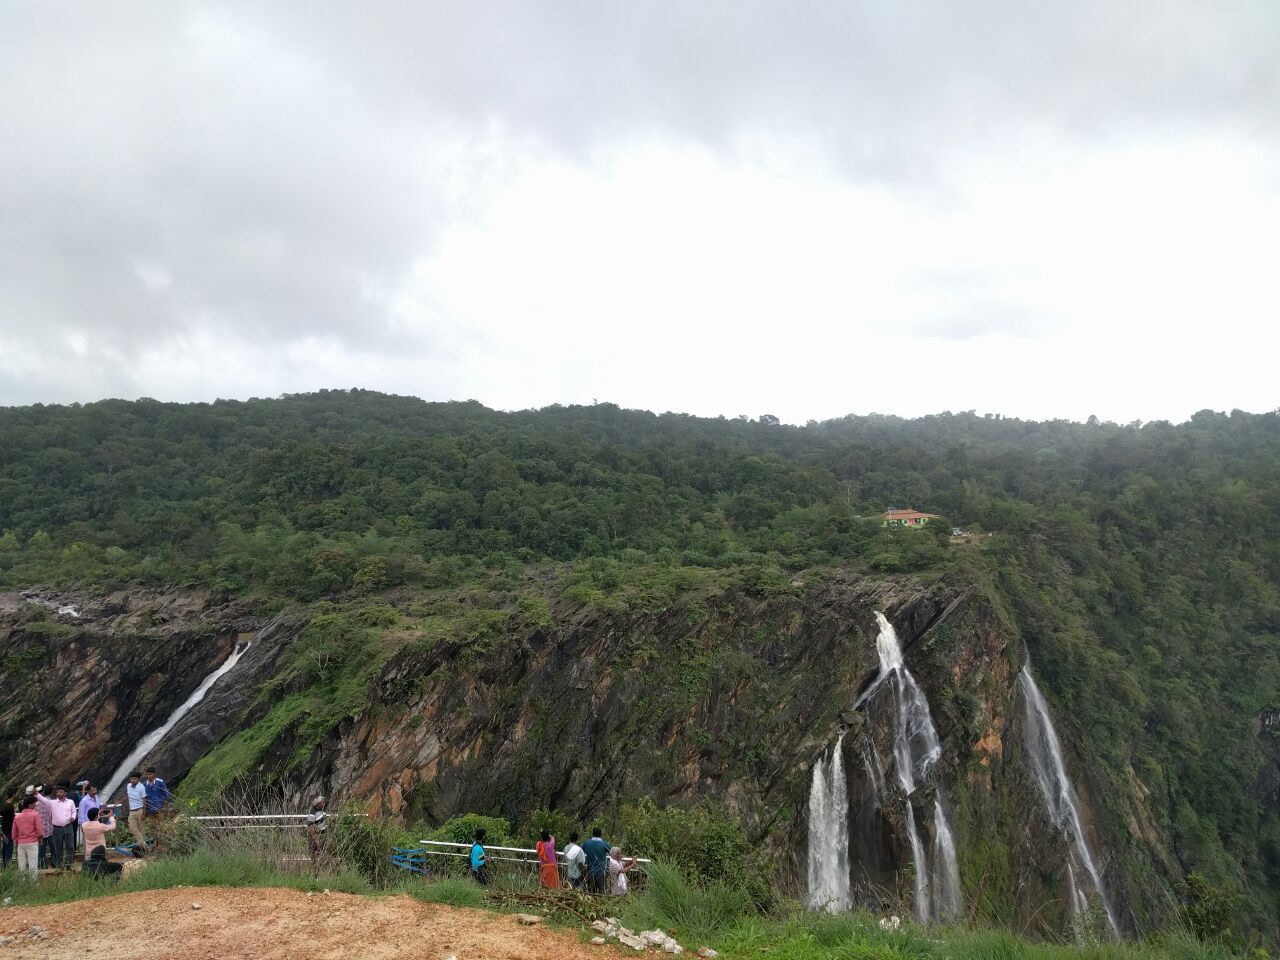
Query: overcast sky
{"type": "Point", "coordinates": [806, 209]}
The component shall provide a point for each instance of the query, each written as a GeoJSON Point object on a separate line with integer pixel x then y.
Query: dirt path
{"type": "Point", "coordinates": [276, 923]}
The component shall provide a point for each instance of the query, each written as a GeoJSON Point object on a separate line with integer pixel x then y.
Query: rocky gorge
{"type": "Point", "coordinates": [531, 699]}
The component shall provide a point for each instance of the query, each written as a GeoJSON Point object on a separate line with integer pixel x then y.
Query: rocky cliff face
{"type": "Point", "coordinates": [722, 694]}
{"type": "Point", "coordinates": [80, 687]}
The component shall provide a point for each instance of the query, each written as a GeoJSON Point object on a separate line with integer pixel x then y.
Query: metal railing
{"type": "Point", "coordinates": [262, 821]}
{"type": "Point", "coordinates": [532, 855]}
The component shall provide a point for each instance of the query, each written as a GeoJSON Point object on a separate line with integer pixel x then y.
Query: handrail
{"type": "Point", "coordinates": [467, 846]}
{"type": "Point", "coordinates": [270, 816]}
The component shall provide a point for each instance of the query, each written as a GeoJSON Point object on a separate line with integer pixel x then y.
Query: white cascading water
{"type": "Point", "coordinates": [919, 865]}
{"type": "Point", "coordinates": [1045, 754]}
{"type": "Point", "coordinates": [152, 739]}
{"type": "Point", "coordinates": [829, 834]}
{"type": "Point", "coordinates": [916, 748]}
{"type": "Point", "coordinates": [946, 868]}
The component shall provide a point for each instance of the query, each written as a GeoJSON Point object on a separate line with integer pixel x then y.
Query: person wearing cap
{"type": "Point", "coordinates": [315, 829]}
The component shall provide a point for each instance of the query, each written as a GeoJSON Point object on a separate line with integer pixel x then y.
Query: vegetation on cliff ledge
{"type": "Point", "coordinates": [1140, 562]}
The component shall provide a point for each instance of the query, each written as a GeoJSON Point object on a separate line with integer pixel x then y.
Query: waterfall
{"type": "Point", "coordinates": [916, 748]}
{"type": "Point", "coordinates": [829, 834]}
{"type": "Point", "coordinates": [919, 865]}
{"type": "Point", "coordinates": [875, 773]}
{"type": "Point", "coordinates": [1045, 755]}
{"type": "Point", "coordinates": [150, 740]}
{"type": "Point", "coordinates": [946, 870]}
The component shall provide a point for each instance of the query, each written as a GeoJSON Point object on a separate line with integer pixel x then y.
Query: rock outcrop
{"type": "Point", "coordinates": [723, 693]}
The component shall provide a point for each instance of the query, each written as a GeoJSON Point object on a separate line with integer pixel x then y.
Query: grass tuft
{"type": "Point", "coordinates": [454, 891]}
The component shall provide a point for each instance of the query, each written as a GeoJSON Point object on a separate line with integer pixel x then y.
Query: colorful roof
{"type": "Point", "coordinates": [909, 515]}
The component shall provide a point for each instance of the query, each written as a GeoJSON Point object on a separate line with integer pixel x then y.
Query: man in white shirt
{"type": "Point", "coordinates": [618, 870]}
{"type": "Point", "coordinates": [575, 859]}
{"type": "Point", "coordinates": [137, 793]}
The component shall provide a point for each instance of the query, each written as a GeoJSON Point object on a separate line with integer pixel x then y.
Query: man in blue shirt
{"type": "Point", "coordinates": [479, 860]}
{"type": "Point", "coordinates": [157, 793]}
{"type": "Point", "coordinates": [88, 802]}
{"type": "Point", "coordinates": [597, 852]}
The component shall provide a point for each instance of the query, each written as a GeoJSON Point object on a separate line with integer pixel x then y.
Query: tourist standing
{"type": "Point", "coordinates": [7, 813]}
{"type": "Point", "coordinates": [62, 819]}
{"type": "Point", "coordinates": [27, 836]}
{"type": "Point", "coordinates": [597, 853]}
{"type": "Point", "coordinates": [157, 794]}
{"type": "Point", "coordinates": [137, 795]}
{"type": "Point", "coordinates": [575, 861]}
{"type": "Point", "coordinates": [549, 871]}
{"type": "Point", "coordinates": [618, 870]}
{"type": "Point", "coordinates": [315, 829]}
{"type": "Point", "coordinates": [88, 802]}
{"type": "Point", "coordinates": [480, 860]}
{"type": "Point", "coordinates": [46, 824]}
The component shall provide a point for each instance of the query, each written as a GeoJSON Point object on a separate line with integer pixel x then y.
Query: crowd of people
{"type": "Point", "coordinates": [41, 832]}
{"type": "Point", "coordinates": [593, 867]}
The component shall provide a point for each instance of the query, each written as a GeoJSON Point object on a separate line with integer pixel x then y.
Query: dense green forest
{"type": "Point", "coordinates": [1140, 562]}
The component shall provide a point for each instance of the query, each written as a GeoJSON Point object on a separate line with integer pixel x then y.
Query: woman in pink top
{"type": "Point", "coordinates": [95, 829]}
{"type": "Point", "coordinates": [27, 834]}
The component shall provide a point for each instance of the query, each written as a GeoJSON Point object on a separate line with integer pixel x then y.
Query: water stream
{"type": "Point", "coordinates": [829, 834]}
{"type": "Point", "coordinates": [916, 748]}
{"type": "Point", "coordinates": [152, 739]}
{"type": "Point", "coordinates": [1045, 755]}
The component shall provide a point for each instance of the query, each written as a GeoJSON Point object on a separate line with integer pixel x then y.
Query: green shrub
{"type": "Point", "coordinates": [364, 843]}
{"type": "Point", "coordinates": [463, 830]}
{"type": "Point", "coordinates": [1213, 909]}
{"type": "Point", "coordinates": [698, 912]}
{"type": "Point", "coordinates": [704, 843]}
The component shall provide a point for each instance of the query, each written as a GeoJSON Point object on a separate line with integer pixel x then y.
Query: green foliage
{"type": "Point", "coordinates": [704, 843]}
{"type": "Point", "coordinates": [463, 830]}
{"type": "Point", "coordinates": [1212, 911]}
{"type": "Point", "coordinates": [237, 755]}
{"type": "Point", "coordinates": [365, 843]}
{"type": "Point", "coordinates": [1138, 562]}
{"type": "Point", "coordinates": [556, 822]}
{"type": "Point", "coordinates": [454, 891]}
{"type": "Point", "coordinates": [698, 912]}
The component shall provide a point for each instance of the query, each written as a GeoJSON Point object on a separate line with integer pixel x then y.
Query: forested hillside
{"type": "Point", "coordinates": [1140, 563]}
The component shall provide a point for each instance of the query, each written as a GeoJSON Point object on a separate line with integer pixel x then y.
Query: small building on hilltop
{"type": "Point", "coordinates": [906, 518]}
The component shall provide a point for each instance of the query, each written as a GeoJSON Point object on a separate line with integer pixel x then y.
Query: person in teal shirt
{"type": "Point", "coordinates": [480, 860]}
{"type": "Point", "coordinates": [597, 852]}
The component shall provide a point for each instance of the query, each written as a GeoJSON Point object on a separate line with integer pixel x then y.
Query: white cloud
{"type": "Point", "coordinates": [693, 207]}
